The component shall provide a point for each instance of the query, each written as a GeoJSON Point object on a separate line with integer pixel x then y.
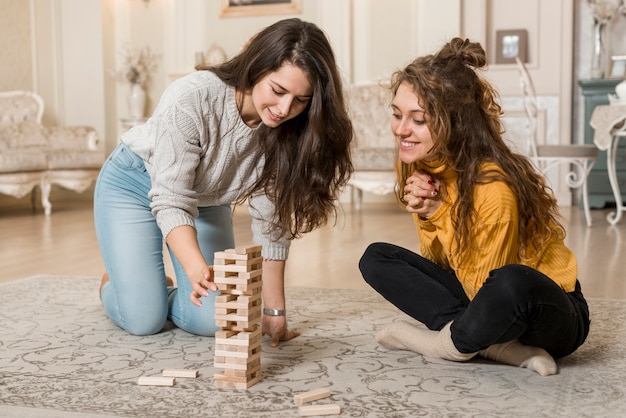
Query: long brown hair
{"type": "Point", "coordinates": [464, 119]}
{"type": "Point", "coordinates": [307, 159]}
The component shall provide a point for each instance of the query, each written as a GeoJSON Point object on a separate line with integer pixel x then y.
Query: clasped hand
{"type": "Point", "coordinates": [422, 194]}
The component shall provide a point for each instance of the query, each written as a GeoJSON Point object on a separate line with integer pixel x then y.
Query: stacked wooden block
{"type": "Point", "coordinates": [238, 275]}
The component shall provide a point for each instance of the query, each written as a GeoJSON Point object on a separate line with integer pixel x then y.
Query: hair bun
{"type": "Point", "coordinates": [471, 53]}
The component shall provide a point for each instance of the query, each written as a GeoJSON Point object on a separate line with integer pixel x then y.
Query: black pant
{"type": "Point", "coordinates": [515, 302]}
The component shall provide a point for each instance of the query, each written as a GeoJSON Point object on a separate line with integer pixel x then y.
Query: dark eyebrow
{"type": "Point", "coordinates": [284, 89]}
{"type": "Point", "coordinates": [423, 112]}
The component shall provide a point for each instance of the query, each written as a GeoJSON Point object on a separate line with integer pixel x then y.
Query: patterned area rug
{"type": "Point", "coordinates": [61, 357]}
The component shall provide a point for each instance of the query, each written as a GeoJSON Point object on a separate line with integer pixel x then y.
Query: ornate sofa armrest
{"type": "Point", "coordinates": [73, 137]}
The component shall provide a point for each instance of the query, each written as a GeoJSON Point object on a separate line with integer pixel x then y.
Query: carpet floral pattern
{"type": "Point", "coordinates": [60, 356]}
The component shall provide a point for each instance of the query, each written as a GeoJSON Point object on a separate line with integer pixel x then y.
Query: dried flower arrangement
{"type": "Point", "coordinates": [603, 10]}
{"type": "Point", "coordinates": [137, 64]}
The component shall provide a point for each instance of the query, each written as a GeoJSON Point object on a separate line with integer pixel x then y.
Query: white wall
{"type": "Point", "coordinates": [67, 55]}
{"type": "Point", "coordinates": [63, 48]}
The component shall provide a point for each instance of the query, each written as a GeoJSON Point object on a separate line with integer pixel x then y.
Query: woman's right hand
{"type": "Point", "coordinates": [201, 284]}
{"type": "Point", "coordinates": [421, 194]}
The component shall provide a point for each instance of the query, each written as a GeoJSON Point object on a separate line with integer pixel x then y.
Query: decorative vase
{"type": "Point", "coordinates": [620, 91]}
{"type": "Point", "coordinates": [136, 101]}
{"type": "Point", "coordinates": [596, 66]}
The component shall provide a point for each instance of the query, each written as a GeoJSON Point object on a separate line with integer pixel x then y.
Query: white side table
{"type": "Point", "coordinates": [609, 121]}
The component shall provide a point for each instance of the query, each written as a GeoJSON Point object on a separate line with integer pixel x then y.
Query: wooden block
{"type": "Point", "coordinates": [237, 363]}
{"type": "Point", "coordinates": [237, 315]}
{"type": "Point", "coordinates": [247, 249]}
{"type": "Point", "coordinates": [252, 316]}
{"type": "Point", "coordinates": [237, 385]}
{"type": "Point", "coordinates": [180, 373]}
{"type": "Point", "coordinates": [237, 278]}
{"type": "Point", "coordinates": [238, 302]}
{"type": "Point", "coordinates": [225, 298]}
{"type": "Point", "coordinates": [250, 289]}
{"type": "Point", "coordinates": [156, 381]}
{"type": "Point", "coordinates": [239, 375]}
{"type": "Point", "coordinates": [325, 409]}
{"type": "Point", "coordinates": [239, 339]}
{"type": "Point", "coordinates": [233, 326]}
{"type": "Point", "coordinates": [232, 254]}
{"type": "Point", "coordinates": [225, 334]}
{"type": "Point", "coordinates": [233, 351]}
{"type": "Point", "coordinates": [311, 396]}
{"type": "Point", "coordinates": [233, 268]}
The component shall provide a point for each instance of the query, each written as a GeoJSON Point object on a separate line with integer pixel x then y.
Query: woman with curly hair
{"type": "Point", "coordinates": [269, 126]}
{"type": "Point", "coordinates": [494, 277]}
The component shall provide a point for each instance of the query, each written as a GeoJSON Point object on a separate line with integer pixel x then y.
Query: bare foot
{"type": "Point", "coordinates": [105, 278]}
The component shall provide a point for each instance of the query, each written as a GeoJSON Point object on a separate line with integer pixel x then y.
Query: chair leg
{"type": "Point", "coordinates": [45, 197]}
{"type": "Point", "coordinates": [586, 203]}
{"type": "Point", "coordinates": [33, 199]}
{"type": "Point", "coordinates": [356, 196]}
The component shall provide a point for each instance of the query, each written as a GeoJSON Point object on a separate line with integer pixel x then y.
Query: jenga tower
{"type": "Point", "coordinates": [238, 274]}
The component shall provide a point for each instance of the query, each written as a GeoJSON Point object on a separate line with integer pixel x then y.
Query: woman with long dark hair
{"type": "Point", "coordinates": [269, 126]}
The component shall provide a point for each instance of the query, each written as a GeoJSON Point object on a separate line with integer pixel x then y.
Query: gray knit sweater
{"type": "Point", "coordinates": [199, 152]}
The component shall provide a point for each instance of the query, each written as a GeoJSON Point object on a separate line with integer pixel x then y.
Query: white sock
{"type": "Point", "coordinates": [518, 354]}
{"type": "Point", "coordinates": [437, 344]}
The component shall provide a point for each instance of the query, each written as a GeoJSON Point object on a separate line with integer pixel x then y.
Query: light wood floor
{"type": "Point", "coordinates": [64, 244]}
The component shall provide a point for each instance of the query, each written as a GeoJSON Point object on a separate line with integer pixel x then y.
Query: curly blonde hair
{"type": "Point", "coordinates": [465, 124]}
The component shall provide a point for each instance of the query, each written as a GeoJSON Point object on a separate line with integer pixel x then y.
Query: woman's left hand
{"type": "Point", "coordinates": [422, 194]}
{"type": "Point", "coordinates": [276, 328]}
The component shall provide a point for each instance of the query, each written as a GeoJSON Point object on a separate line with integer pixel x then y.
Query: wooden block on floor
{"type": "Point", "coordinates": [324, 409]}
{"type": "Point", "coordinates": [156, 381]}
{"type": "Point", "coordinates": [310, 396]}
{"type": "Point", "coordinates": [180, 373]}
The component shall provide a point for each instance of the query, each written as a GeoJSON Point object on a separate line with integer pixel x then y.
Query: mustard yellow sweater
{"type": "Point", "coordinates": [495, 240]}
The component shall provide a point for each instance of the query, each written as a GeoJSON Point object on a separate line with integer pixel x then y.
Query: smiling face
{"type": "Point", "coordinates": [278, 96]}
{"type": "Point", "coordinates": [409, 126]}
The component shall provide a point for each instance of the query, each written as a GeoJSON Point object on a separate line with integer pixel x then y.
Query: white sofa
{"type": "Point", "coordinates": [374, 153]}
{"type": "Point", "coordinates": [34, 155]}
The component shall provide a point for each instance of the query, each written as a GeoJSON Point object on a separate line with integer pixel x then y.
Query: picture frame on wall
{"type": "Point", "coordinates": [511, 44]}
{"type": "Point", "coordinates": [238, 8]}
{"type": "Point", "coordinates": [617, 68]}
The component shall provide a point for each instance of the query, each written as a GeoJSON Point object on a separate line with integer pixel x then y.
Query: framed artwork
{"type": "Point", "coordinates": [617, 68]}
{"type": "Point", "coordinates": [511, 44]}
{"type": "Point", "coordinates": [238, 8]}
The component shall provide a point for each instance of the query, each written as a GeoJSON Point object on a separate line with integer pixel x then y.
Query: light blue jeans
{"type": "Point", "coordinates": [136, 297]}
